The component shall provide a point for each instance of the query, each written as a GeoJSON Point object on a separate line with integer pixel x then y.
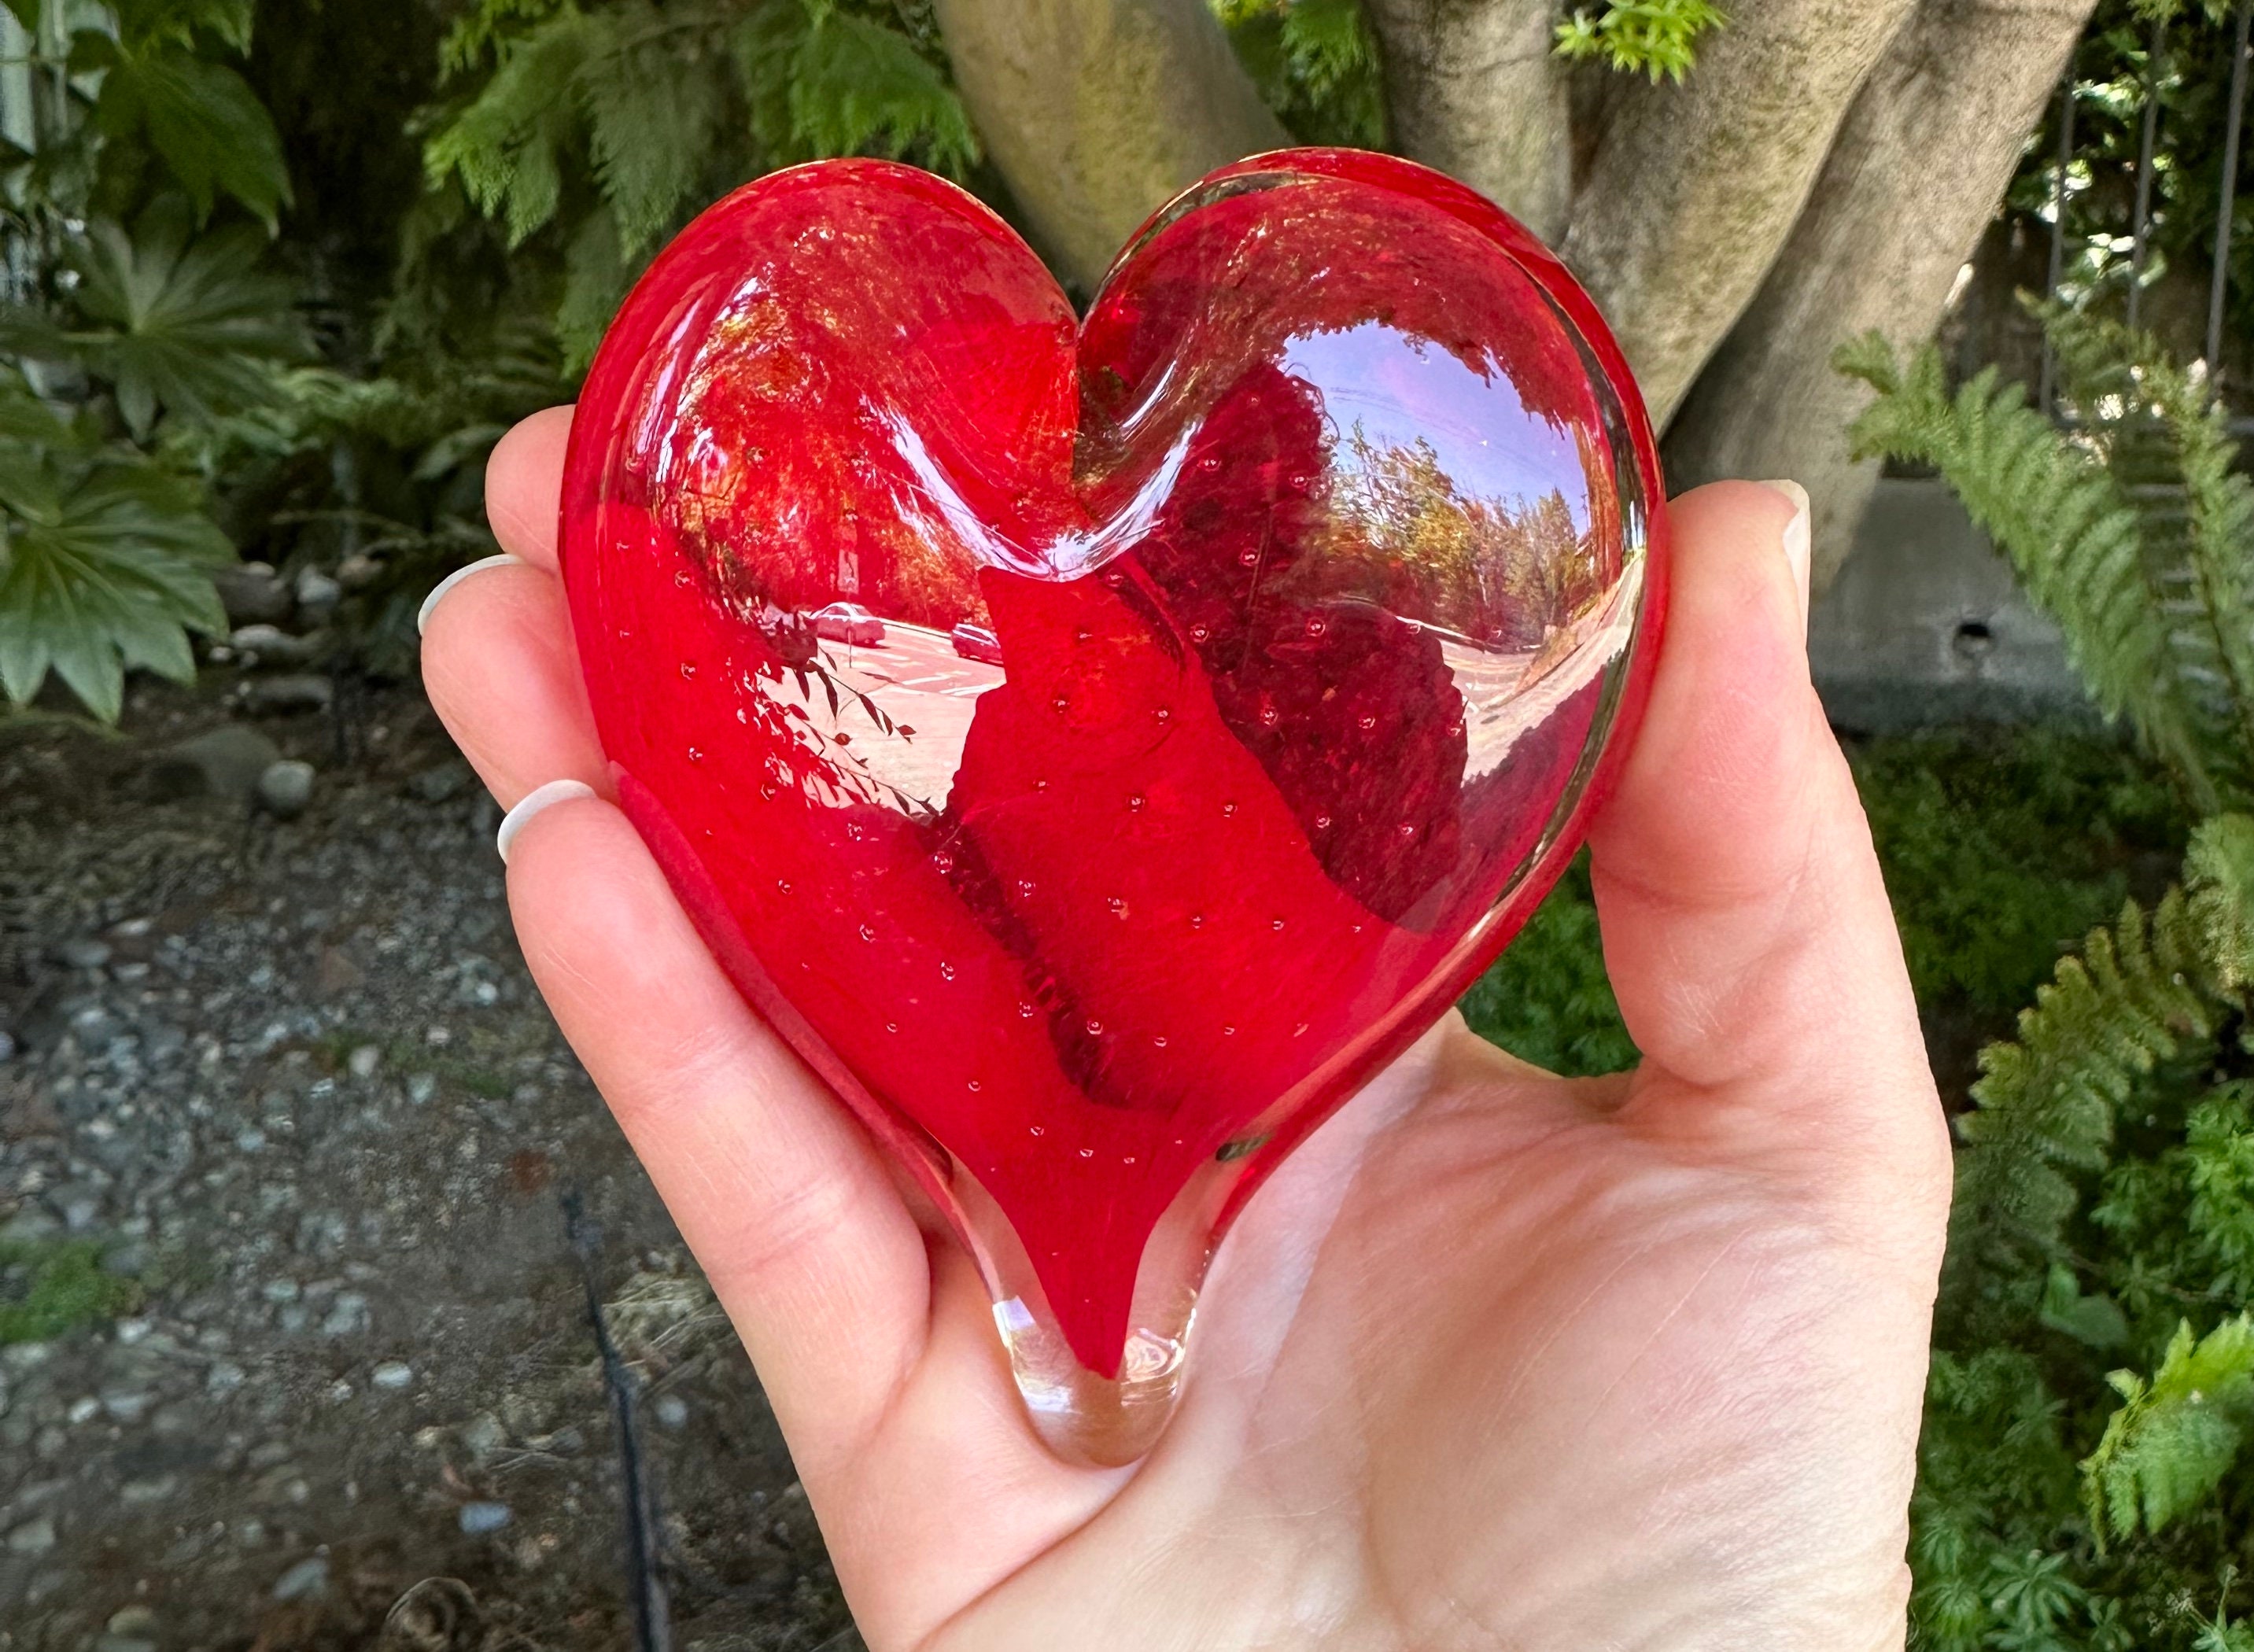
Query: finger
{"type": "Point", "coordinates": [499, 665]}
{"type": "Point", "coordinates": [1746, 925]}
{"type": "Point", "coordinates": [524, 483]}
{"type": "Point", "coordinates": [777, 1192]}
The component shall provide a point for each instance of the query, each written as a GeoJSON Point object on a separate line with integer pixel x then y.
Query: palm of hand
{"type": "Point", "coordinates": [1497, 1360]}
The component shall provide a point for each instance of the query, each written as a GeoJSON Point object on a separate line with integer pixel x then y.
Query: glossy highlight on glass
{"type": "Point", "coordinates": [1099, 745]}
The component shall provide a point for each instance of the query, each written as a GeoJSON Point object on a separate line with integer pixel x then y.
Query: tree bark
{"type": "Point", "coordinates": [1912, 180]}
{"type": "Point", "coordinates": [1096, 111]}
{"type": "Point", "coordinates": [1473, 88]}
{"type": "Point", "coordinates": [1695, 187]}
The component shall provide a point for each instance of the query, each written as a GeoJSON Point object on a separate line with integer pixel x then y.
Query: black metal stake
{"type": "Point", "coordinates": [2141, 230]}
{"type": "Point", "coordinates": [2046, 392]}
{"type": "Point", "coordinates": [2219, 282]}
{"type": "Point", "coordinates": [653, 1613]}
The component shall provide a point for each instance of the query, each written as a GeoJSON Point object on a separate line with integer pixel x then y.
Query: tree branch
{"type": "Point", "coordinates": [1474, 90]}
{"type": "Point", "coordinates": [1096, 111]}
{"type": "Point", "coordinates": [1694, 188]}
{"type": "Point", "coordinates": [1914, 176]}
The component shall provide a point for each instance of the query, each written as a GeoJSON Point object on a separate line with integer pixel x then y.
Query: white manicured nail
{"type": "Point", "coordinates": [430, 603]}
{"type": "Point", "coordinates": [1799, 546]}
{"type": "Point", "coordinates": [531, 803]}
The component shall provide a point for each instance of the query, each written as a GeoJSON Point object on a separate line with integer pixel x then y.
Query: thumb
{"type": "Point", "coordinates": [1745, 925]}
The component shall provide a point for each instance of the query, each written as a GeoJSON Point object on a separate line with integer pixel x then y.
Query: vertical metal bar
{"type": "Point", "coordinates": [2141, 227]}
{"type": "Point", "coordinates": [2218, 284]}
{"type": "Point", "coordinates": [2046, 392]}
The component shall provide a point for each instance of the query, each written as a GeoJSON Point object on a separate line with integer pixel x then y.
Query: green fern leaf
{"type": "Point", "coordinates": [2137, 993]}
{"type": "Point", "coordinates": [2175, 1438]}
{"type": "Point", "coordinates": [507, 145]}
{"type": "Point", "coordinates": [1658, 39]}
{"type": "Point", "coordinates": [652, 111]}
{"type": "Point", "coordinates": [2055, 511]}
{"type": "Point", "coordinates": [105, 564]}
{"type": "Point", "coordinates": [857, 87]}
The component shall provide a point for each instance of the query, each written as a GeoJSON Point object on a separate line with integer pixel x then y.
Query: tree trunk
{"type": "Point", "coordinates": [1474, 90]}
{"type": "Point", "coordinates": [1694, 188]}
{"type": "Point", "coordinates": [1097, 110]}
{"type": "Point", "coordinates": [1912, 179]}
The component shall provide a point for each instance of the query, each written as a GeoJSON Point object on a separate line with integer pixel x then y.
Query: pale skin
{"type": "Point", "coordinates": [1497, 1361]}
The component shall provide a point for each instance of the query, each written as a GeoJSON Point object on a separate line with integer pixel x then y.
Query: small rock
{"type": "Point", "coordinates": [444, 783]}
{"type": "Point", "coordinates": [308, 1578]}
{"type": "Point", "coordinates": [253, 595]}
{"type": "Point", "coordinates": [79, 1207]}
{"type": "Point", "coordinates": [7, 1046]}
{"type": "Point", "coordinates": [83, 1410]}
{"type": "Point", "coordinates": [672, 1410]}
{"type": "Point", "coordinates": [347, 1315]}
{"type": "Point", "coordinates": [477, 1519]}
{"type": "Point", "coordinates": [421, 1087]}
{"type": "Point", "coordinates": [125, 1406]}
{"type": "Point", "coordinates": [224, 1377]}
{"type": "Point", "coordinates": [28, 1227]}
{"type": "Point", "coordinates": [296, 691]}
{"type": "Point", "coordinates": [272, 645]}
{"type": "Point", "coordinates": [225, 763]}
{"type": "Point", "coordinates": [286, 788]}
{"type": "Point", "coordinates": [483, 1435]}
{"type": "Point", "coordinates": [392, 1373]}
{"type": "Point", "coordinates": [131, 1620]}
{"type": "Point", "coordinates": [82, 952]}
{"type": "Point", "coordinates": [360, 570]}
{"type": "Point", "coordinates": [34, 1536]}
{"type": "Point", "coordinates": [364, 1061]}
{"type": "Point", "coordinates": [317, 593]}
{"type": "Point", "coordinates": [134, 1492]}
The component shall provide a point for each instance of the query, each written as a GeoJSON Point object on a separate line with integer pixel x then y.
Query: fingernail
{"type": "Point", "coordinates": [430, 603]}
{"type": "Point", "coordinates": [1798, 545]}
{"type": "Point", "coordinates": [531, 803]}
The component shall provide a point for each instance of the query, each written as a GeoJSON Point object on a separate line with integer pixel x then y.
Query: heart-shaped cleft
{"type": "Point", "coordinates": [1099, 746]}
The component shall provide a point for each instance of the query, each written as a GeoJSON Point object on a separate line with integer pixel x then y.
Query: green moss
{"type": "Point", "coordinates": [49, 1288]}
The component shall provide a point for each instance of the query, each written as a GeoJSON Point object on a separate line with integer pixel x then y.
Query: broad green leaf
{"type": "Point", "coordinates": [104, 565]}
{"type": "Point", "coordinates": [178, 21]}
{"type": "Point", "coordinates": [203, 119]}
{"type": "Point", "coordinates": [179, 322]}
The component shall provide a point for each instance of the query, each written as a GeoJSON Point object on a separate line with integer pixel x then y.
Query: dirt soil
{"type": "Point", "coordinates": [289, 1081]}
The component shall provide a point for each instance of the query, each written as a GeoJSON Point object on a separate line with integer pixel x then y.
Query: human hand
{"type": "Point", "coordinates": [1495, 1360]}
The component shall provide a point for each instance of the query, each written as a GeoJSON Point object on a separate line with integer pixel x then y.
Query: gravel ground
{"type": "Point", "coordinates": [289, 1080]}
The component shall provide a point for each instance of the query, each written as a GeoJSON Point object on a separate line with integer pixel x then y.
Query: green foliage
{"type": "Point", "coordinates": [200, 117]}
{"type": "Point", "coordinates": [2176, 1434]}
{"type": "Point", "coordinates": [606, 127]}
{"type": "Point", "coordinates": [2105, 1184]}
{"type": "Point", "coordinates": [1316, 65]}
{"type": "Point", "coordinates": [2133, 537]}
{"type": "Point", "coordinates": [1655, 38]}
{"type": "Point", "coordinates": [50, 1288]}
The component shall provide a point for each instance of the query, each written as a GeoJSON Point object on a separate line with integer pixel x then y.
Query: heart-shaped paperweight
{"type": "Point", "coordinates": [1097, 746]}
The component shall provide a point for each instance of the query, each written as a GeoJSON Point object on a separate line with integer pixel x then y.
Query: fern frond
{"type": "Point", "coordinates": [2175, 1437]}
{"type": "Point", "coordinates": [857, 87]}
{"type": "Point", "coordinates": [654, 102]}
{"type": "Point", "coordinates": [507, 146]}
{"type": "Point", "coordinates": [2055, 511]}
{"type": "Point", "coordinates": [2137, 993]}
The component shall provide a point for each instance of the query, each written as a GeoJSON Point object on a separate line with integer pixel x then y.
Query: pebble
{"type": "Point", "coordinates": [483, 1435]}
{"type": "Point", "coordinates": [253, 594]}
{"type": "Point", "coordinates": [444, 782]}
{"type": "Point", "coordinates": [479, 1518]}
{"type": "Point", "coordinates": [82, 952]}
{"type": "Point", "coordinates": [271, 645]}
{"type": "Point", "coordinates": [672, 1410]}
{"type": "Point", "coordinates": [7, 1046]}
{"type": "Point", "coordinates": [294, 691]}
{"type": "Point", "coordinates": [224, 1377]}
{"type": "Point", "coordinates": [364, 1061]}
{"type": "Point", "coordinates": [392, 1373]}
{"type": "Point", "coordinates": [286, 788]}
{"type": "Point", "coordinates": [347, 1315]}
{"type": "Point", "coordinates": [33, 1536]}
{"type": "Point", "coordinates": [317, 593]}
{"type": "Point", "coordinates": [225, 763]}
{"type": "Point", "coordinates": [307, 1577]}
{"type": "Point", "coordinates": [131, 1620]}
{"type": "Point", "coordinates": [83, 1410]}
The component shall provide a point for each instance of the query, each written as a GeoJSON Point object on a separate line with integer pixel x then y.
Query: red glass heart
{"type": "Point", "coordinates": [1098, 747]}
